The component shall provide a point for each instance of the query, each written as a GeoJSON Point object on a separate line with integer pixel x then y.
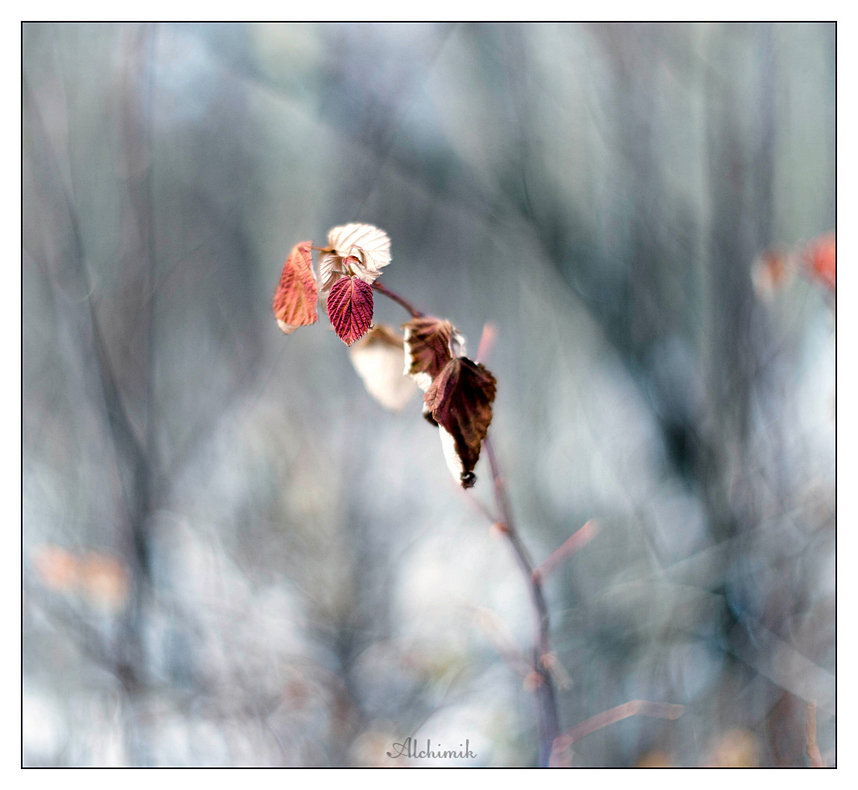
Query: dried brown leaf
{"type": "Point", "coordinates": [430, 343]}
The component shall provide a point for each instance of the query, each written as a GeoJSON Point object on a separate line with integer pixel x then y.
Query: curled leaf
{"type": "Point", "coordinates": [430, 343]}
{"type": "Point", "coordinates": [820, 256]}
{"type": "Point", "coordinates": [350, 308]}
{"type": "Point", "coordinates": [460, 401]}
{"type": "Point", "coordinates": [377, 357]}
{"type": "Point", "coordinates": [296, 295]}
{"type": "Point", "coordinates": [355, 249]}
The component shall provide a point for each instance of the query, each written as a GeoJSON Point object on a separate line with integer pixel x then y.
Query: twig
{"type": "Point", "coordinates": [496, 630]}
{"type": "Point", "coordinates": [542, 656]}
{"type": "Point", "coordinates": [810, 733]}
{"type": "Point", "coordinates": [638, 707]}
{"type": "Point", "coordinates": [545, 696]}
{"type": "Point", "coordinates": [477, 504]}
{"type": "Point", "coordinates": [579, 539]}
{"type": "Point", "coordinates": [487, 341]}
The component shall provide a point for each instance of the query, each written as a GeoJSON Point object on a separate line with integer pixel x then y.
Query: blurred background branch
{"type": "Point", "coordinates": [232, 556]}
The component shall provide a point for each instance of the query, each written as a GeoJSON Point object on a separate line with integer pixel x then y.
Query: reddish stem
{"type": "Point", "coordinates": [487, 341]}
{"type": "Point", "coordinates": [638, 707]}
{"type": "Point", "coordinates": [812, 743]}
{"type": "Point", "coordinates": [548, 720]}
{"type": "Point", "coordinates": [545, 696]}
{"type": "Point", "coordinates": [415, 313]}
{"type": "Point", "coordinates": [568, 548]}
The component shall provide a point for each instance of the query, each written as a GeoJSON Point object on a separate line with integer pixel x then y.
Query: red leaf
{"type": "Point", "coordinates": [296, 295]}
{"type": "Point", "coordinates": [820, 255]}
{"type": "Point", "coordinates": [350, 308]}
{"type": "Point", "coordinates": [460, 401]}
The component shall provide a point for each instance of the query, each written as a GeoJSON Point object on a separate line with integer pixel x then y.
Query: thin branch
{"type": "Point", "coordinates": [543, 658]}
{"type": "Point", "coordinates": [579, 539]}
{"type": "Point", "coordinates": [496, 630]}
{"type": "Point", "coordinates": [638, 707]}
{"type": "Point", "coordinates": [129, 451]}
{"type": "Point", "coordinates": [487, 342]}
{"type": "Point", "coordinates": [545, 695]}
{"type": "Point", "coordinates": [477, 504]}
{"type": "Point", "coordinates": [810, 733]}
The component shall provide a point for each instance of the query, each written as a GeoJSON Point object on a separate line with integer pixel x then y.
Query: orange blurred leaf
{"type": "Point", "coordinates": [734, 749]}
{"type": "Point", "coordinates": [101, 578]}
{"type": "Point", "coordinates": [638, 707]}
{"type": "Point", "coordinates": [820, 256]}
{"type": "Point", "coordinates": [655, 758]}
{"type": "Point", "coordinates": [104, 580]}
{"type": "Point", "coordinates": [56, 568]}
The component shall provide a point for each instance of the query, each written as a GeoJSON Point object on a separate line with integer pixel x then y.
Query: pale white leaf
{"type": "Point", "coordinates": [357, 248]}
{"type": "Point", "coordinates": [331, 268]}
{"type": "Point", "coordinates": [377, 358]}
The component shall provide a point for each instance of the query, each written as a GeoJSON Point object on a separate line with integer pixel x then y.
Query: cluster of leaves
{"type": "Point", "coordinates": [458, 392]}
{"type": "Point", "coordinates": [352, 261]}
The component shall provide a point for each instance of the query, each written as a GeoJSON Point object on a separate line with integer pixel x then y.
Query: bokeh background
{"type": "Point", "coordinates": [234, 556]}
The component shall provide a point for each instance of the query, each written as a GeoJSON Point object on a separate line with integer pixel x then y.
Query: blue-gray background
{"type": "Point", "coordinates": [234, 556]}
